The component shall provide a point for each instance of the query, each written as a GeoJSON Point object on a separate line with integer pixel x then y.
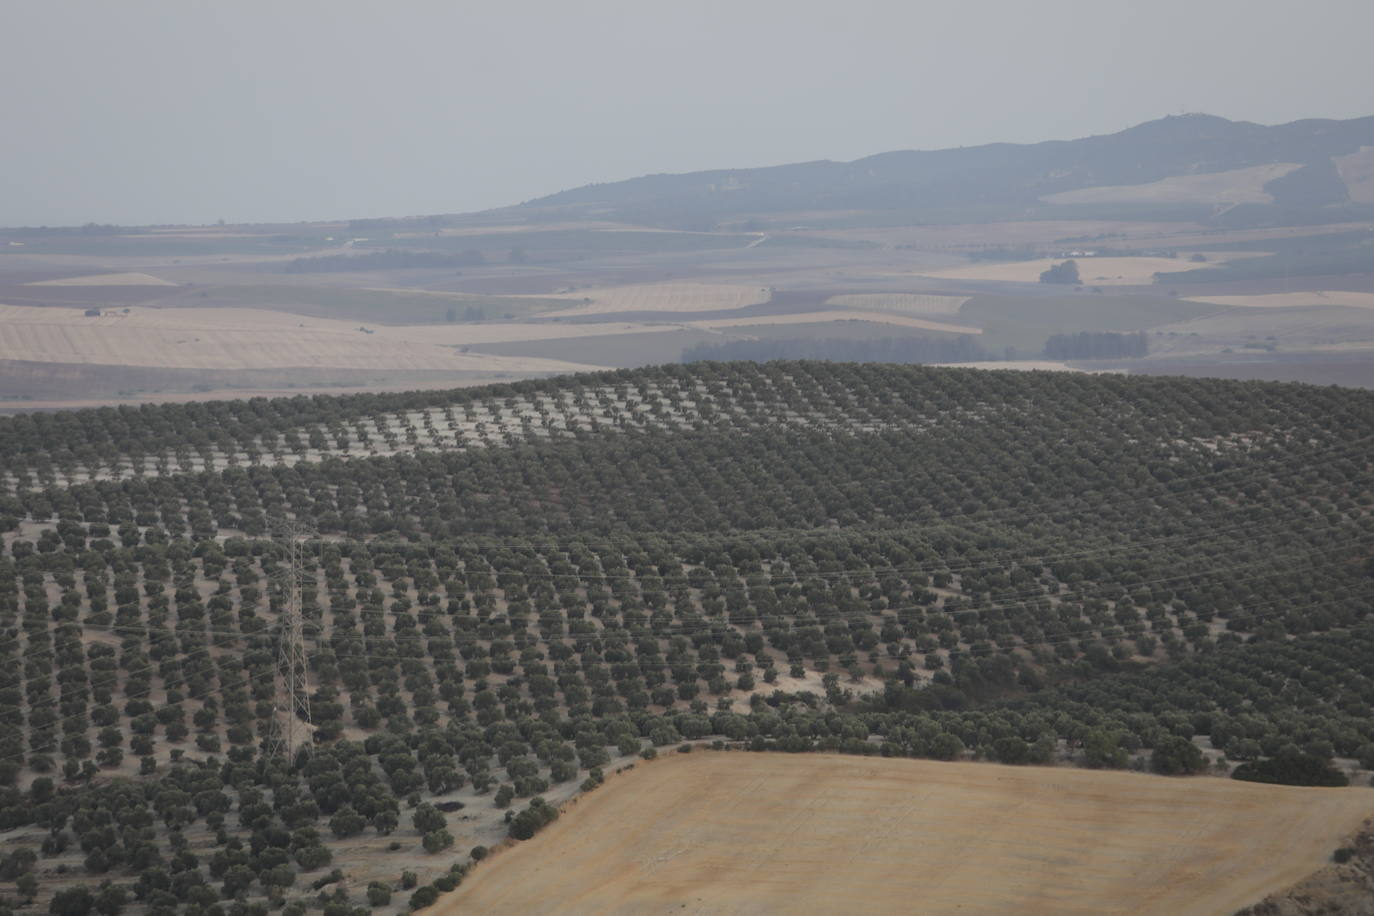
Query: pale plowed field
{"type": "Point", "coordinates": [1295, 300]}
{"type": "Point", "coordinates": [234, 338]}
{"type": "Point", "coordinates": [1357, 171]}
{"type": "Point", "coordinates": [905, 321]}
{"type": "Point", "coordinates": [1235, 186]}
{"type": "Point", "coordinates": [663, 297]}
{"type": "Point", "coordinates": [121, 279]}
{"type": "Point", "coordinates": [739, 833]}
{"type": "Point", "coordinates": [901, 303]}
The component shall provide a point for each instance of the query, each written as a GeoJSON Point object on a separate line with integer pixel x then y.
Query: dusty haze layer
{"type": "Point", "coordinates": [160, 111]}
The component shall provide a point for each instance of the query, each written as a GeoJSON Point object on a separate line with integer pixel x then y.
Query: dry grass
{"type": "Point", "coordinates": [664, 297]}
{"type": "Point", "coordinates": [232, 338]}
{"type": "Point", "coordinates": [900, 303]}
{"type": "Point", "coordinates": [1236, 186]}
{"type": "Point", "coordinates": [1295, 300]}
{"type": "Point", "coordinates": [834, 315]}
{"type": "Point", "coordinates": [120, 279]}
{"type": "Point", "coordinates": [768, 833]}
{"type": "Point", "coordinates": [1093, 271]}
{"type": "Point", "coordinates": [1357, 171]}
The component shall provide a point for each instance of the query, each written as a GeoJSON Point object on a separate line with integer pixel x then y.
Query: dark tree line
{"type": "Point", "coordinates": [1096, 345]}
{"type": "Point", "coordinates": [391, 259]}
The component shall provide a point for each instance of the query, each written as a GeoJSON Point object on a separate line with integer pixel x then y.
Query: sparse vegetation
{"type": "Point", "coordinates": [1100, 345]}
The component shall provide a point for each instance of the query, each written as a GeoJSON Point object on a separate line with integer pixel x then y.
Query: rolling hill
{"type": "Point", "coordinates": [514, 590]}
{"type": "Point", "coordinates": [1005, 180]}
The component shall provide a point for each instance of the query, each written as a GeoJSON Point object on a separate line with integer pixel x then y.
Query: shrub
{"type": "Point", "coordinates": [74, 901]}
{"type": "Point", "coordinates": [378, 893]}
{"type": "Point", "coordinates": [1291, 769]}
{"type": "Point", "coordinates": [423, 897]}
{"type": "Point", "coordinates": [533, 819]}
{"type": "Point", "coordinates": [1175, 756]}
{"type": "Point", "coordinates": [437, 840]}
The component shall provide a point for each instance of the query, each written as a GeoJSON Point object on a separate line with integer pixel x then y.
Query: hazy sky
{"type": "Point", "coordinates": [160, 111]}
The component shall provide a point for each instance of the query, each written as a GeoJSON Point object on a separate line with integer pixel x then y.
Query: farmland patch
{"type": "Point", "coordinates": [1235, 186]}
{"type": "Point", "coordinates": [1290, 300]}
{"type": "Point", "coordinates": [837, 315]}
{"type": "Point", "coordinates": [664, 297]}
{"type": "Point", "coordinates": [900, 303]}
{"type": "Point", "coordinates": [118, 279]}
{"type": "Point", "coordinates": [736, 833]}
{"type": "Point", "coordinates": [1093, 271]}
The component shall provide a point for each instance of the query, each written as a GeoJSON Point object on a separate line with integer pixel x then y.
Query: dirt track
{"type": "Point", "coordinates": [766, 833]}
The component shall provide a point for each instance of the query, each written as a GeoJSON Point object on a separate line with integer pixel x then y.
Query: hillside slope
{"type": "Point", "coordinates": [998, 177]}
{"type": "Point", "coordinates": [516, 588]}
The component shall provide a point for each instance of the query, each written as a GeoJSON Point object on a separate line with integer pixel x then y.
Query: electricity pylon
{"type": "Point", "coordinates": [293, 694]}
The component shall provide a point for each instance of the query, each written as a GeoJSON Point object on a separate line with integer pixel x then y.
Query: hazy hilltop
{"type": "Point", "coordinates": [1004, 179]}
{"type": "Point", "coordinates": [1200, 246]}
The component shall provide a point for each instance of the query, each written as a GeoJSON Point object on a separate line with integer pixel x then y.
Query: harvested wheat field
{"type": "Point", "coordinates": [1294, 300]}
{"type": "Point", "coordinates": [904, 321]}
{"type": "Point", "coordinates": [120, 279]}
{"type": "Point", "coordinates": [768, 833]}
{"type": "Point", "coordinates": [663, 297]}
{"type": "Point", "coordinates": [901, 303]}
{"type": "Point", "coordinates": [232, 338]}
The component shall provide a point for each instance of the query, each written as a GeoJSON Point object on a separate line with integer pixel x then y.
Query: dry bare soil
{"type": "Point", "coordinates": [763, 833]}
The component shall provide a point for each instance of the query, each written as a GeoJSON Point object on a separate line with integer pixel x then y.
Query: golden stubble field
{"type": "Point", "coordinates": [249, 338]}
{"type": "Point", "coordinates": [904, 321]}
{"type": "Point", "coordinates": [245, 338]}
{"type": "Point", "coordinates": [1307, 298]}
{"type": "Point", "coordinates": [739, 833]}
{"type": "Point", "coordinates": [662, 297]}
{"type": "Point", "coordinates": [901, 303]}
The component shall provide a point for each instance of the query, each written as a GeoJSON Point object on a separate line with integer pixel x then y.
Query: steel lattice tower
{"type": "Point", "coordinates": [293, 694]}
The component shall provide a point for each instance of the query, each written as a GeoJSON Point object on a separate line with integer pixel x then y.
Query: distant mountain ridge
{"type": "Point", "coordinates": [995, 177]}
